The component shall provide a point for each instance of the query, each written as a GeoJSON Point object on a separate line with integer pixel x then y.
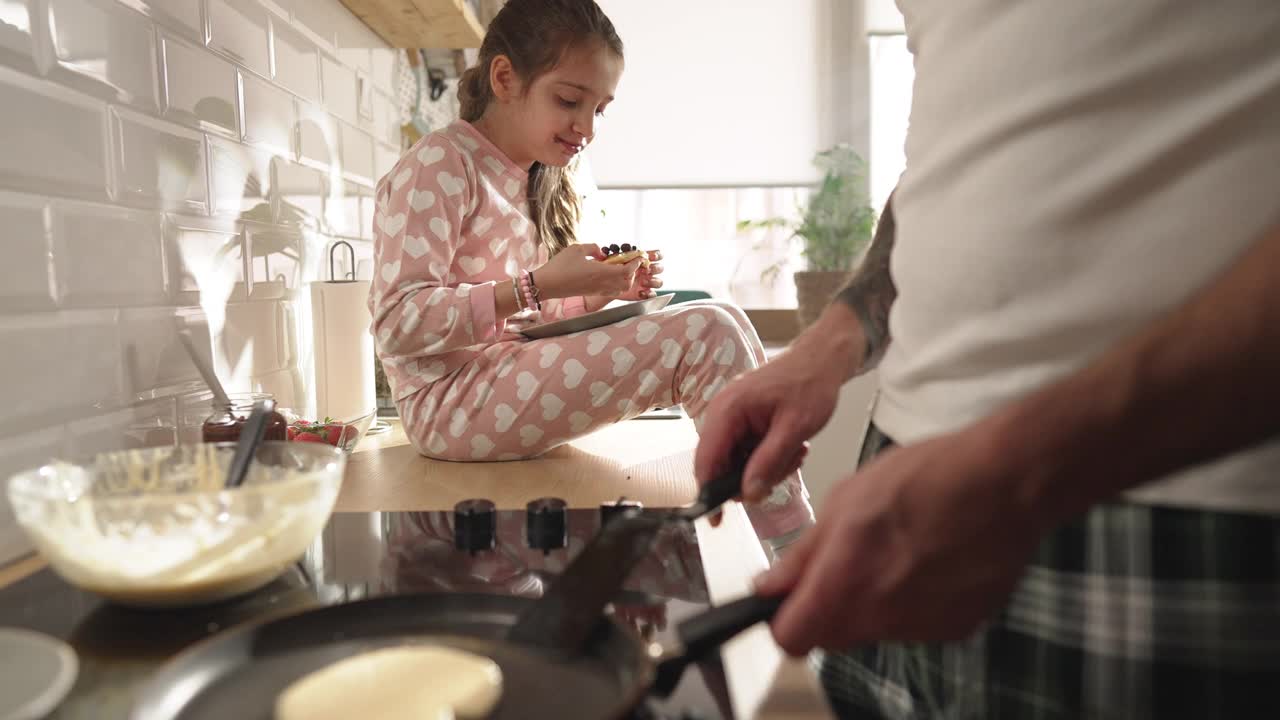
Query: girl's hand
{"type": "Point", "coordinates": [578, 270]}
{"type": "Point", "coordinates": [646, 280]}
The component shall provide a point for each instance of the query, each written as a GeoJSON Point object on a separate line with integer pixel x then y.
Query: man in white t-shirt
{"type": "Point", "coordinates": [1075, 508]}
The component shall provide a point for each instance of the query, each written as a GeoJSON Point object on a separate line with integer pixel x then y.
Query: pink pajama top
{"type": "Point", "coordinates": [452, 220]}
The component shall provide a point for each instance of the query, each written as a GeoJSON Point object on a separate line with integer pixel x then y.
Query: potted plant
{"type": "Point", "coordinates": [834, 227]}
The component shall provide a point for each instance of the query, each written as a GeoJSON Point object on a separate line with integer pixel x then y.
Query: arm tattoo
{"type": "Point", "coordinates": [871, 292]}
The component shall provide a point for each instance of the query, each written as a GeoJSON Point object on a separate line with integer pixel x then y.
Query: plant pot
{"type": "Point", "coordinates": [814, 290]}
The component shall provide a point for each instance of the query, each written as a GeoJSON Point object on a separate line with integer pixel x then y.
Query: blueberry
{"type": "Point", "coordinates": [626, 247]}
{"type": "Point", "coordinates": [614, 248]}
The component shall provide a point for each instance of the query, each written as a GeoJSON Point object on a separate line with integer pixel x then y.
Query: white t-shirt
{"type": "Point", "coordinates": [1074, 171]}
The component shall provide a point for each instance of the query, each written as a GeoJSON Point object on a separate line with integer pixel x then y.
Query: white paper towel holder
{"type": "Point", "coordinates": [379, 425]}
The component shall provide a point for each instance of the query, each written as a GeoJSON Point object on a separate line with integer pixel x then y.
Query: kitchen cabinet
{"type": "Point", "coordinates": [421, 23]}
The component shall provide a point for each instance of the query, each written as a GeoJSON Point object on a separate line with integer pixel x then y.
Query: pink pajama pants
{"type": "Point", "coordinates": [519, 399]}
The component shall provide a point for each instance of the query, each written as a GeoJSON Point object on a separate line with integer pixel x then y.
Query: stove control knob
{"type": "Point", "coordinates": [546, 524]}
{"type": "Point", "coordinates": [610, 510]}
{"type": "Point", "coordinates": [475, 523]}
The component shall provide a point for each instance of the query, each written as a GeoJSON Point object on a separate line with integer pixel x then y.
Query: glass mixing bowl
{"type": "Point", "coordinates": [155, 527]}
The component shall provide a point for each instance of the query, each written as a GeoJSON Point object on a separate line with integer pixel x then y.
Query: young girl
{"type": "Point", "coordinates": [474, 239]}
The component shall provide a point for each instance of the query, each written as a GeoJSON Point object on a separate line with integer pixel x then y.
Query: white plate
{"type": "Point", "coordinates": [605, 316]}
{"type": "Point", "coordinates": [36, 673]}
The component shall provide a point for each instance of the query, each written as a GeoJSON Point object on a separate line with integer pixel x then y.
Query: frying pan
{"type": "Point", "coordinates": [240, 673]}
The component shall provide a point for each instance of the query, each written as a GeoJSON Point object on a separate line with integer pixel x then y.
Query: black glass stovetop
{"type": "Point", "coordinates": [362, 555]}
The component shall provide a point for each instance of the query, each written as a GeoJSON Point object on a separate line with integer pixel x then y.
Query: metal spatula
{"type": "Point", "coordinates": [563, 619]}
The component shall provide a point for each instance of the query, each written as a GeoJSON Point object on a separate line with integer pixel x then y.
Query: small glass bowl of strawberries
{"type": "Point", "coordinates": [340, 434]}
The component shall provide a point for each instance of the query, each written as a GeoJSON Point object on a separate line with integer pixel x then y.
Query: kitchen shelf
{"type": "Point", "coordinates": [421, 23]}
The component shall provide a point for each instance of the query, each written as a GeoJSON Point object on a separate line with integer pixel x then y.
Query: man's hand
{"type": "Point", "coordinates": [923, 544]}
{"type": "Point", "coordinates": [781, 405]}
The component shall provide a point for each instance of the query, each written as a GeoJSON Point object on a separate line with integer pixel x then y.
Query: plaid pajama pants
{"type": "Point", "coordinates": [1131, 611]}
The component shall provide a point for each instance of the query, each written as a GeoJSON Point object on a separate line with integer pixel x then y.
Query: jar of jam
{"type": "Point", "coordinates": [225, 423]}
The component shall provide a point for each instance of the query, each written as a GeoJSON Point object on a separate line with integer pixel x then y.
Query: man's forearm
{"type": "Point", "coordinates": [1199, 384]}
{"type": "Point", "coordinates": [855, 328]}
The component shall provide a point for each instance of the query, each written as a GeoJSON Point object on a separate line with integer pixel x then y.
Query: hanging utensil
{"type": "Point", "coordinates": [206, 370]}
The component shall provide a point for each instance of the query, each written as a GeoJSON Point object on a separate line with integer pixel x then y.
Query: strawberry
{"type": "Point", "coordinates": [333, 434]}
{"type": "Point", "coordinates": [308, 437]}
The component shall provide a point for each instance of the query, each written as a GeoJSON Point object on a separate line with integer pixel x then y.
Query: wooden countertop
{"type": "Point", "coordinates": [646, 460]}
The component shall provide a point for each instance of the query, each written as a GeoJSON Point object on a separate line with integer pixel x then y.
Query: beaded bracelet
{"type": "Point", "coordinates": [531, 293]}
{"type": "Point", "coordinates": [515, 289]}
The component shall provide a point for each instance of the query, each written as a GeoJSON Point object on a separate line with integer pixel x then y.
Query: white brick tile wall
{"type": "Point", "coordinates": [154, 358]}
{"type": "Point", "coordinates": [180, 16]}
{"type": "Point", "coordinates": [239, 179]}
{"type": "Point", "coordinates": [107, 256]}
{"type": "Point", "coordinates": [301, 191]}
{"type": "Point", "coordinates": [269, 116]}
{"type": "Point", "coordinates": [357, 154]}
{"type": "Point", "coordinates": [340, 91]}
{"type": "Point", "coordinates": [110, 44]}
{"type": "Point", "coordinates": [296, 61]}
{"type": "Point", "coordinates": [200, 89]}
{"type": "Point", "coordinates": [25, 275]}
{"type": "Point", "coordinates": [17, 44]}
{"type": "Point", "coordinates": [170, 163]}
{"type": "Point", "coordinates": [75, 356]}
{"type": "Point", "coordinates": [205, 262]}
{"type": "Point", "coordinates": [51, 139]}
{"type": "Point", "coordinates": [157, 164]}
{"type": "Point", "coordinates": [240, 29]}
{"type": "Point", "coordinates": [317, 136]}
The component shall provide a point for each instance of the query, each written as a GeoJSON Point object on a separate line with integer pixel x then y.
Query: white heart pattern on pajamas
{"type": "Point", "coordinates": [574, 371]}
{"type": "Point", "coordinates": [649, 382]}
{"type": "Point", "coordinates": [393, 224]}
{"type": "Point", "coordinates": [550, 352]}
{"type": "Point", "coordinates": [697, 324]}
{"type": "Point", "coordinates": [390, 271]}
{"type": "Point", "coordinates": [415, 246]}
{"type": "Point", "coordinates": [671, 352]}
{"type": "Point", "coordinates": [436, 444]}
{"type": "Point", "coordinates": [596, 342]}
{"type": "Point", "coordinates": [450, 184]}
{"type": "Point", "coordinates": [623, 361]}
{"type": "Point", "coordinates": [600, 393]}
{"type": "Point", "coordinates": [526, 385]}
{"type": "Point", "coordinates": [430, 155]}
{"type": "Point", "coordinates": [409, 318]}
{"type": "Point", "coordinates": [441, 228]}
{"type": "Point", "coordinates": [579, 421]}
{"type": "Point", "coordinates": [458, 422]}
{"type": "Point", "coordinates": [401, 178]}
{"type": "Point", "coordinates": [530, 434]}
{"type": "Point", "coordinates": [481, 447]}
{"type": "Point", "coordinates": [552, 406]}
{"type": "Point", "coordinates": [726, 353]}
{"type": "Point", "coordinates": [472, 265]}
{"type": "Point", "coordinates": [506, 417]}
{"type": "Point", "coordinates": [421, 200]}
{"type": "Point", "coordinates": [484, 391]}
{"type": "Point", "coordinates": [646, 331]}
